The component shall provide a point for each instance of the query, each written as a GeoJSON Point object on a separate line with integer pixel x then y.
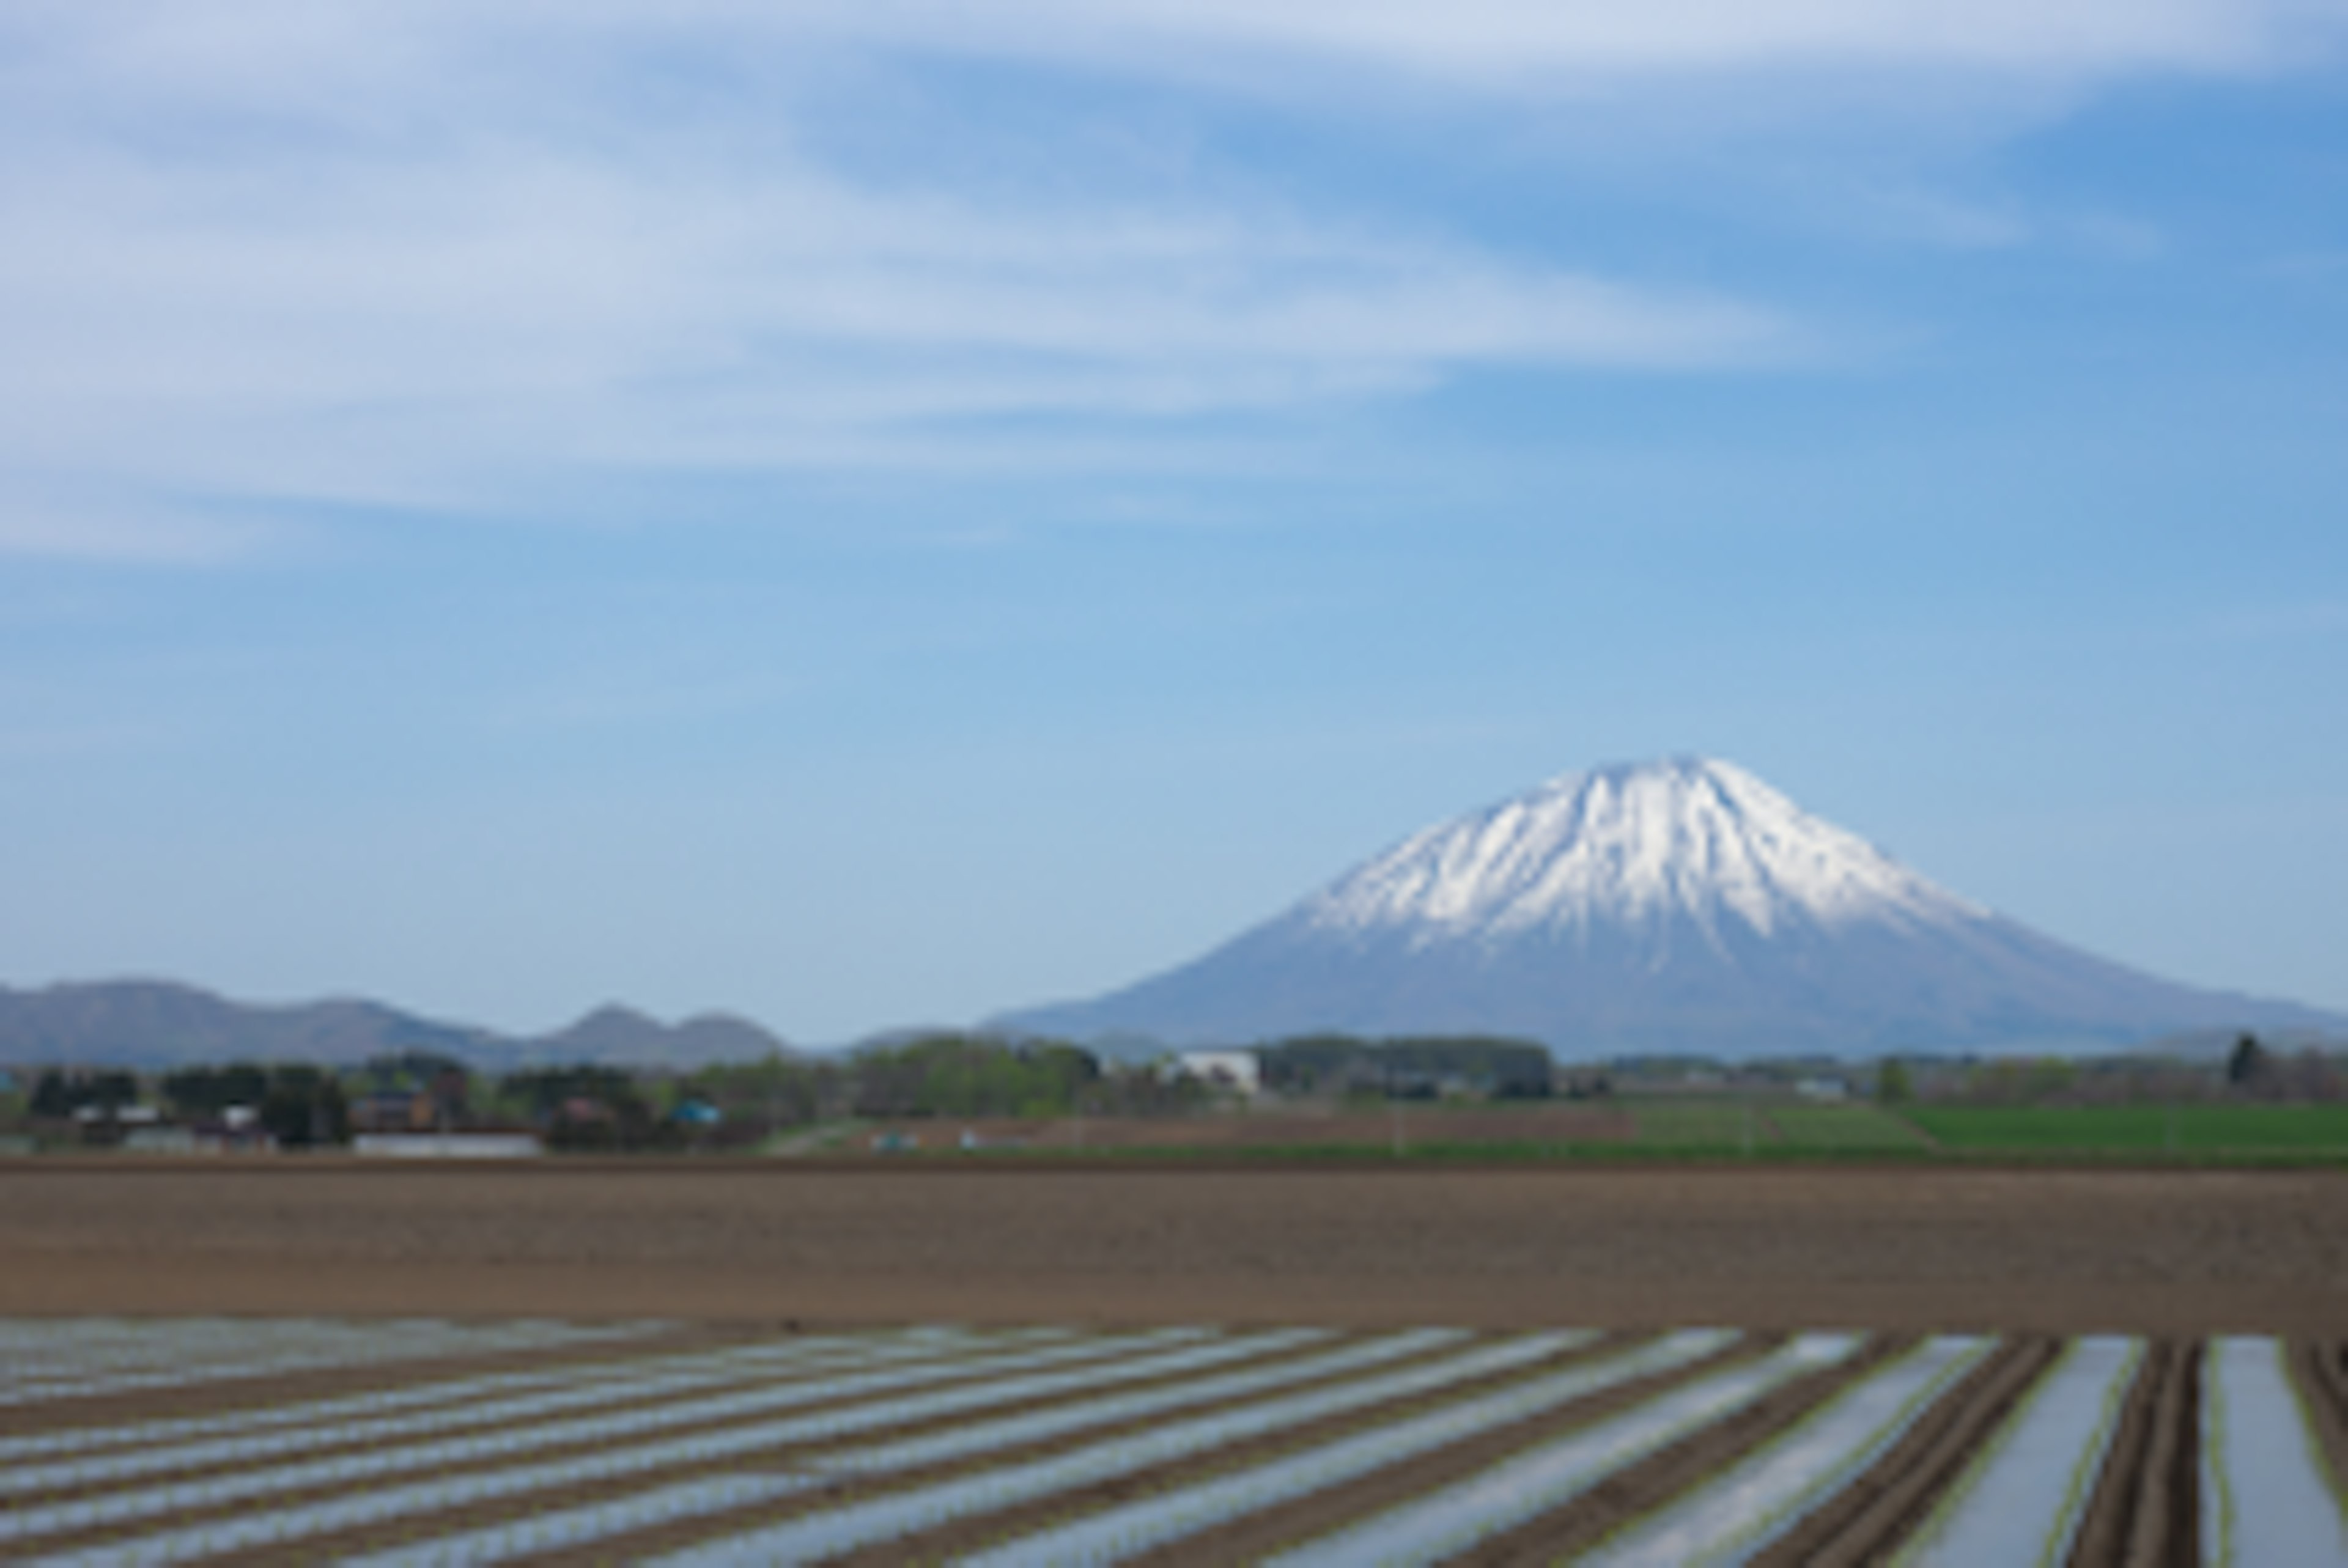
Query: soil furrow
{"type": "Point", "coordinates": [846, 1489]}
{"type": "Point", "coordinates": [782, 1456]}
{"type": "Point", "coordinates": [1640, 1489]}
{"type": "Point", "coordinates": [2321, 1368]}
{"type": "Point", "coordinates": [1867, 1521]}
{"type": "Point", "coordinates": [2168, 1532]}
{"type": "Point", "coordinates": [265, 1390]}
{"type": "Point", "coordinates": [615, 1401]}
{"type": "Point", "coordinates": [2146, 1509]}
{"type": "Point", "coordinates": [1243, 1540]}
{"type": "Point", "coordinates": [449, 1469]}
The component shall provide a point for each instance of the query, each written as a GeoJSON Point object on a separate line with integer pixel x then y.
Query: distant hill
{"type": "Point", "coordinates": [620, 1036]}
{"type": "Point", "coordinates": [152, 1024]}
{"type": "Point", "coordinates": [1677, 907]}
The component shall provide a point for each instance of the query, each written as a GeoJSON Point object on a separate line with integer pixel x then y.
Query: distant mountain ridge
{"type": "Point", "coordinates": [1681, 906]}
{"type": "Point", "coordinates": [154, 1024]}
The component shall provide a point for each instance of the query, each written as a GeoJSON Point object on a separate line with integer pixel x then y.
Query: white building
{"type": "Point", "coordinates": [448, 1146]}
{"type": "Point", "coordinates": [1241, 1070]}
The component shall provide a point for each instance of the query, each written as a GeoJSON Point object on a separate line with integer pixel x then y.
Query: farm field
{"type": "Point", "coordinates": [2239, 1132]}
{"type": "Point", "coordinates": [1663, 1127]}
{"type": "Point", "coordinates": [1525, 1128]}
{"type": "Point", "coordinates": [1911, 1247]}
{"type": "Point", "coordinates": [1771, 1127]}
{"type": "Point", "coordinates": [408, 1443]}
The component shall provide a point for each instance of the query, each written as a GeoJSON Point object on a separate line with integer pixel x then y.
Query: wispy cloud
{"type": "Point", "coordinates": [117, 524]}
{"type": "Point", "coordinates": [1525, 39]}
{"type": "Point", "coordinates": [435, 319]}
{"type": "Point", "coordinates": [286, 264]}
{"type": "Point", "coordinates": [422, 254]}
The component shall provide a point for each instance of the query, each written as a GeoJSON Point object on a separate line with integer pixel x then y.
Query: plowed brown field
{"type": "Point", "coordinates": [1897, 1248]}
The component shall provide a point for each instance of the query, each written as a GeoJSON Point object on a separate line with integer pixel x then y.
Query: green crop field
{"type": "Point", "coordinates": [1697, 1124]}
{"type": "Point", "coordinates": [1840, 1127]}
{"type": "Point", "coordinates": [2277, 1131]}
{"type": "Point", "coordinates": [1722, 1126]}
{"type": "Point", "coordinates": [1772, 1127]}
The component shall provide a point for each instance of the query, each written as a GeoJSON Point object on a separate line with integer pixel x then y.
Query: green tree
{"type": "Point", "coordinates": [2251, 1065]}
{"type": "Point", "coordinates": [53, 1098]}
{"type": "Point", "coordinates": [303, 1108]}
{"type": "Point", "coordinates": [1893, 1083]}
{"type": "Point", "coordinates": [113, 1089]}
{"type": "Point", "coordinates": [587, 1107]}
{"type": "Point", "coordinates": [971, 1075]}
{"type": "Point", "coordinates": [208, 1090]}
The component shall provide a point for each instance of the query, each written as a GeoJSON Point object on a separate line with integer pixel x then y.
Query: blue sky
{"type": "Point", "coordinates": [884, 513]}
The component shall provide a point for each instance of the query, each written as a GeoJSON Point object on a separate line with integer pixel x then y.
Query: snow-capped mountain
{"type": "Point", "coordinates": [1673, 907]}
{"type": "Point", "coordinates": [1700, 840]}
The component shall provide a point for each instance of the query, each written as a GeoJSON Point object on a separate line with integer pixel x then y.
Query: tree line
{"type": "Point", "coordinates": [295, 1103]}
{"type": "Point", "coordinates": [588, 1106]}
{"type": "Point", "coordinates": [1415, 1067]}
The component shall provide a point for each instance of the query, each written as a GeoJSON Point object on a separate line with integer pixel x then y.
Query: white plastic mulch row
{"type": "Point", "coordinates": [415, 1396]}
{"type": "Point", "coordinates": [2269, 1495]}
{"type": "Point", "coordinates": [1133, 1528]}
{"type": "Point", "coordinates": [2266, 1494]}
{"type": "Point", "coordinates": [600, 1520]}
{"type": "Point", "coordinates": [378, 1502]}
{"type": "Point", "coordinates": [45, 1348]}
{"type": "Point", "coordinates": [141, 1358]}
{"type": "Point", "coordinates": [1746, 1507]}
{"type": "Point", "coordinates": [1449, 1521]}
{"type": "Point", "coordinates": [369, 1420]}
{"type": "Point", "coordinates": [38, 1352]}
{"type": "Point", "coordinates": [2020, 1501]}
{"type": "Point", "coordinates": [892, 1515]}
{"type": "Point", "coordinates": [41, 1366]}
{"type": "Point", "coordinates": [120, 1507]}
{"type": "Point", "coordinates": [957, 1444]}
{"type": "Point", "coordinates": [41, 1349]}
{"type": "Point", "coordinates": [583, 1526]}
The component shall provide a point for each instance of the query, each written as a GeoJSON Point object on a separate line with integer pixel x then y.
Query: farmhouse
{"type": "Point", "coordinates": [1241, 1071]}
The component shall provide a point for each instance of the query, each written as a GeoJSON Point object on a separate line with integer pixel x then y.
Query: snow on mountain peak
{"type": "Point", "coordinates": [1630, 842]}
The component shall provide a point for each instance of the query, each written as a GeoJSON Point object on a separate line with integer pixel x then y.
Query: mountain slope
{"type": "Point", "coordinates": [1673, 907]}
{"type": "Point", "coordinates": [153, 1024]}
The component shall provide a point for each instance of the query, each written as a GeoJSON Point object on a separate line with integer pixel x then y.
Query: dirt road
{"type": "Point", "coordinates": [1907, 1248]}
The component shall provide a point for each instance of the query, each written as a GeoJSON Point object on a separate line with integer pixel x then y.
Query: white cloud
{"type": "Point", "coordinates": [332, 304]}
{"type": "Point", "coordinates": [424, 254]}
{"type": "Point", "coordinates": [74, 520]}
{"type": "Point", "coordinates": [528, 300]}
{"type": "Point", "coordinates": [1533, 39]}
